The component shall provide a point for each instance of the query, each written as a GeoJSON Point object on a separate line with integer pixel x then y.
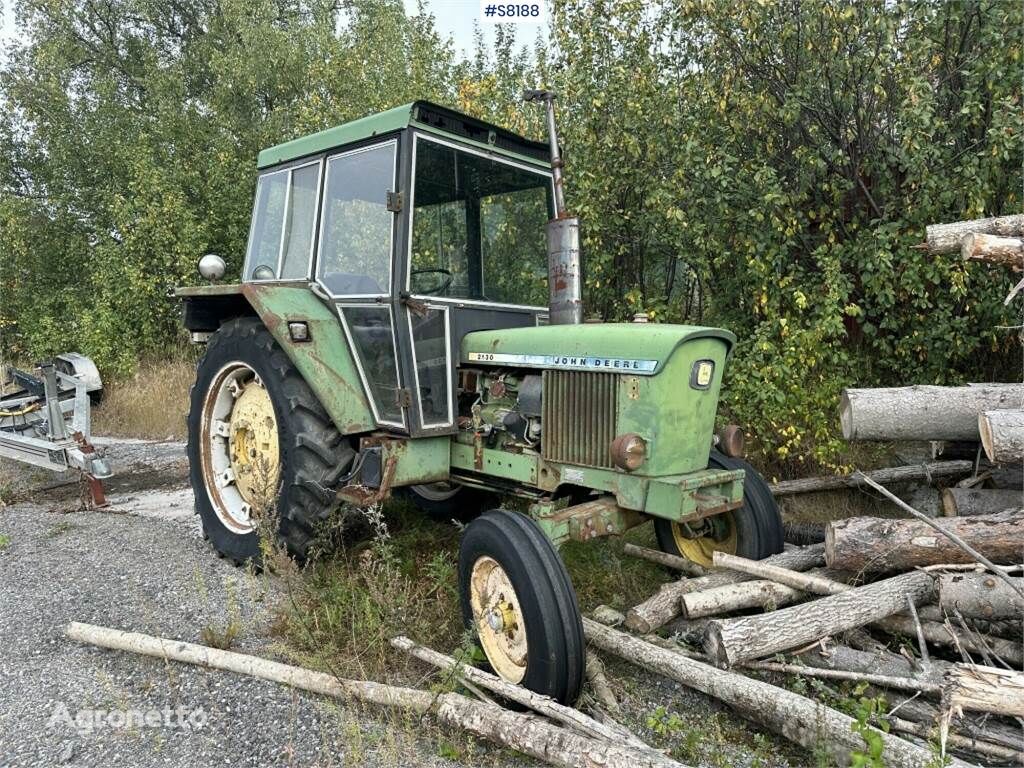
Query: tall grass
{"type": "Point", "coordinates": [152, 403]}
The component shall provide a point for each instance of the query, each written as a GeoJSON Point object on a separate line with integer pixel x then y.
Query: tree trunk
{"type": "Point", "coordinates": [922, 412]}
{"type": "Point", "coordinates": [945, 238]}
{"type": "Point", "coordinates": [732, 641]}
{"type": "Point", "coordinates": [664, 605]}
{"type": "Point", "coordinates": [522, 732]}
{"type": "Point", "coordinates": [979, 595]}
{"type": "Point", "coordinates": [964, 502]}
{"type": "Point", "coordinates": [928, 471]}
{"type": "Point", "coordinates": [939, 634]}
{"type": "Point", "coordinates": [1002, 435]}
{"type": "Point", "coordinates": [664, 558]}
{"type": "Point", "coordinates": [802, 720]}
{"type": "Point", "coordinates": [1004, 251]}
{"type": "Point", "coordinates": [878, 544]}
{"type": "Point", "coordinates": [882, 662]}
{"type": "Point", "coordinates": [984, 689]}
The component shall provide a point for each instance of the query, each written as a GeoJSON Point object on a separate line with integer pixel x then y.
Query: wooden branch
{"type": "Point", "coordinates": [543, 705]}
{"type": "Point", "coordinates": [1002, 435]}
{"type": "Point", "coordinates": [802, 720]}
{"type": "Point", "coordinates": [958, 741]}
{"type": "Point", "coordinates": [992, 249]}
{"type": "Point", "coordinates": [759, 593]}
{"type": "Point", "coordinates": [922, 412]}
{"type": "Point", "coordinates": [956, 539]}
{"type": "Point", "coordinates": [732, 641]}
{"type": "Point", "coordinates": [984, 689]}
{"type": "Point", "coordinates": [664, 558]}
{"type": "Point", "coordinates": [964, 502]}
{"type": "Point", "coordinates": [878, 661]}
{"type": "Point", "coordinates": [599, 683]}
{"type": "Point", "coordinates": [945, 238]}
{"type": "Point", "coordinates": [913, 472]}
{"type": "Point", "coordinates": [664, 605]}
{"type": "Point", "coordinates": [980, 595]}
{"type": "Point", "coordinates": [522, 732]}
{"type": "Point", "coordinates": [940, 634]}
{"type": "Point", "coordinates": [816, 582]}
{"type": "Point", "coordinates": [899, 683]}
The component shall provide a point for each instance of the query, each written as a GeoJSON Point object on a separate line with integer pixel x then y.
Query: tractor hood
{"type": "Point", "coordinates": [640, 349]}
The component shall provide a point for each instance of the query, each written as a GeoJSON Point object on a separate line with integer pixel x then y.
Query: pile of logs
{"type": "Point", "coordinates": [835, 611]}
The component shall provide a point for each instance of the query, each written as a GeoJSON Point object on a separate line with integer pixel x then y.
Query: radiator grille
{"type": "Point", "coordinates": [579, 417]}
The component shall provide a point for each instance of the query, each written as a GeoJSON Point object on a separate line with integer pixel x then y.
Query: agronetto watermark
{"type": "Point", "coordinates": [86, 721]}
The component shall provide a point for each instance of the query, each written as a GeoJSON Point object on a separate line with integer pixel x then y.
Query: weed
{"type": "Point", "coordinates": [663, 722]}
{"type": "Point", "coordinates": [5, 540]}
{"type": "Point", "coordinates": [152, 403]}
{"type": "Point", "coordinates": [223, 634]}
{"type": "Point", "coordinates": [869, 719]}
{"type": "Point", "coordinates": [60, 529]}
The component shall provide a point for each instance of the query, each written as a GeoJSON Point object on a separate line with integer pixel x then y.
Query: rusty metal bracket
{"type": "Point", "coordinates": [362, 496]}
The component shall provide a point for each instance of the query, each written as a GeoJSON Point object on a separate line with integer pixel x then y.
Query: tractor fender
{"type": "Point", "coordinates": [325, 361]}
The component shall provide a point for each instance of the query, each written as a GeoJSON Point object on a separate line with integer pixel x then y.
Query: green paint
{"type": "Point", "coordinates": [510, 466]}
{"type": "Point", "coordinates": [325, 361]}
{"type": "Point", "coordinates": [425, 460]}
{"type": "Point", "coordinates": [683, 497]}
{"type": "Point", "coordinates": [391, 121]}
{"type": "Point", "coordinates": [623, 341]}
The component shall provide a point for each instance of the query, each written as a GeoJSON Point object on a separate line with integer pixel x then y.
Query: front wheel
{"type": "Point", "coordinates": [517, 597]}
{"type": "Point", "coordinates": [753, 531]}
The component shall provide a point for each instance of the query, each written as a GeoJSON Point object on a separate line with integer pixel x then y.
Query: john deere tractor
{"type": "Point", "coordinates": [409, 320]}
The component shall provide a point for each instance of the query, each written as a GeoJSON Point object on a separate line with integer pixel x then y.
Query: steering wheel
{"type": "Point", "coordinates": [441, 287]}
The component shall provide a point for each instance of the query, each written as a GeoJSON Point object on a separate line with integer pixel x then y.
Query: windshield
{"type": "Point", "coordinates": [478, 228]}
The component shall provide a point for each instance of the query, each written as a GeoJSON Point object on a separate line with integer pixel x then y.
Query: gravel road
{"type": "Point", "coordinates": [143, 565]}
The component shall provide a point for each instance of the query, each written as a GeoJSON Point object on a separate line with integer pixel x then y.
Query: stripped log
{"type": "Point", "coordinates": [993, 249]}
{"type": "Point", "coordinates": [759, 593]}
{"type": "Point", "coordinates": [922, 412]}
{"type": "Point", "coordinates": [912, 472]}
{"type": "Point", "coordinates": [964, 502]}
{"type": "Point", "coordinates": [1002, 435]}
{"type": "Point", "coordinates": [984, 689]}
{"type": "Point", "coordinates": [884, 545]}
{"type": "Point", "coordinates": [946, 238]}
{"type": "Point", "coordinates": [798, 718]}
{"type": "Point", "coordinates": [816, 581]}
{"type": "Point", "coordinates": [664, 605]}
{"type": "Point", "coordinates": [732, 641]}
{"type": "Point", "coordinates": [664, 558]}
{"type": "Point", "coordinates": [520, 731]}
{"type": "Point", "coordinates": [980, 595]}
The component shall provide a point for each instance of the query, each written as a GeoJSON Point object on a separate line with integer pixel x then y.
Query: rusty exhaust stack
{"type": "Point", "coordinates": [565, 278]}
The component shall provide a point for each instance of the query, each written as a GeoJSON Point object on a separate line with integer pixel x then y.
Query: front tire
{"type": "Point", "coordinates": [516, 595]}
{"type": "Point", "coordinates": [753, 531]}
{"type": "Point", "coordinates": [264, 456]}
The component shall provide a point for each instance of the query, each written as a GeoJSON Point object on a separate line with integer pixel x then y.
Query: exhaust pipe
{"type": "Point", "coordinates": [565, 276]}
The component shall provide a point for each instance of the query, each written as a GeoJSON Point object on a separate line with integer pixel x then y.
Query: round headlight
{"type": "Point", "coordinates": [263, 272]}
{"type": "Point", "coordinates": [212, 266]}
{"type": "Point", "coordinates": [628, 451]}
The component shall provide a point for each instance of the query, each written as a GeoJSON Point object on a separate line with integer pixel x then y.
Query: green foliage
{"type": "Point", "coordinates": [761, 166]}
{"type": "Point", "coordinates": [869, 723]}
{"type": "Point", "coordinates": [663, 722]}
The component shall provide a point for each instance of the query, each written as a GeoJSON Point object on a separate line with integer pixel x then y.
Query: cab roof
{"type": "Point", "coordinates": [419, 114]}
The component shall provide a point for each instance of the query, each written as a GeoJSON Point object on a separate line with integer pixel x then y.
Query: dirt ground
{"type": "Point", "coordinates": [142, 565]}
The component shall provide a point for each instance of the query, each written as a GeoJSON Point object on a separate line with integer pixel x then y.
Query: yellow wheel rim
{"type": "Point", "coordinates": [253, 445]}
{"type": "Point", "coordinates": [700, 549]}
{"type": "Point", "coordinates": [498, 619]}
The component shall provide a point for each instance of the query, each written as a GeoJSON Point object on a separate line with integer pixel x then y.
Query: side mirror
{"type": "Point", "coordinates": [212, 267]}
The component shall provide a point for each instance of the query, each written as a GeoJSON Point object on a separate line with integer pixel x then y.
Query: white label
{"type": "Point", "coordinates": [570, 475]}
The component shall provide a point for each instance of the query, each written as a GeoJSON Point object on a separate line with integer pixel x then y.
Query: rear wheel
{"type": "Point", "coordinates": [753, 531]}
{"type": "Point", "coordinates": [448, 501]}
{"type": "Point", "coordinates": [516, 595]}
{"type": "Point", "coordinates": [264, 456]}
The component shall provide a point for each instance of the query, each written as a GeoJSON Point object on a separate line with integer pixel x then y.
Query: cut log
{"type": "Point", "coordinates": [984, 689]}
{"type": "Point", "coordinates": [980, 595]}
{"type": "Point", "coordinates": [816, 581]}
{"type": "Point", "coordinates": [759, 593]}
{"type": "Point", "coordinates": [798, 718]}
{"type": "Point", "coordinates": [664, 558]}
{"type": "Point", "coordinates": [956, 741]}
{"type": "Point", "coordinates": [880, 544]}
{"type": "Point", "coordinates": [1002, 435]}
{"type": "Point", "coordinates": [877, 662]}
{"type": "Point", "coordinates": [913, 472]}
{"type": "Point", "coordinates": [922, 412]}
{"type": "Point", "coordinates": [939, 634]}
{"type": "Point", "coordinates": [993, 249]}
{"type": "Point", "coordinates": [732, 641]}
{"type": "Point", "coordinates": [964, 502]}
{"type": "Point", "coordinates": [599, 683]}
{"type": "Point", "coordinates": [522, 732]}
{"type": "Point", "coordinates": [664, 605]}
{"type": "Point", "coordinates": [946, 238]}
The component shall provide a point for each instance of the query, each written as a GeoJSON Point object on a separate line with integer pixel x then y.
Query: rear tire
{"type": "Point", "coordinates": [447, 501]}
{"type": "Point", "coordinates": [755, 530]}
{"type": "Point", "coordinates": [311, 456]}
{"type": "Point", "coordinates": [517, 597]}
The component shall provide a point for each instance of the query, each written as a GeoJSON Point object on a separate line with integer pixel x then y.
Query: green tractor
{"type": "Point", "coordinates": [409, 320]}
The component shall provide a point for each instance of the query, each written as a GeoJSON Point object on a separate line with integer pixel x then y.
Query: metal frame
{"type": "Point", "coordinates": [448, 367]}
{"type": "Point", "coordinates": [328, 159]}
{"type": "Point", "coordinates": [341, 306]}
{"type": "Point", "coordinates": [290, 171]}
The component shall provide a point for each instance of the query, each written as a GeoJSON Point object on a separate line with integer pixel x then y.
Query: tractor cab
{"type": "Point", "coordinates": [419, 225]}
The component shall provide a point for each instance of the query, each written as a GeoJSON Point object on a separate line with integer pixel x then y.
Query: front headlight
{"type": "Point", "coordinates": [628, 451]}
